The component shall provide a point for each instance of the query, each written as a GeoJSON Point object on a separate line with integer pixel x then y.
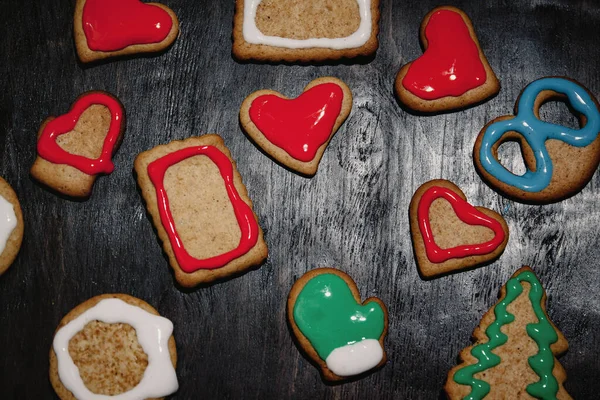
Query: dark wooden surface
{"type": "Point", "coordinates": [233, 341]}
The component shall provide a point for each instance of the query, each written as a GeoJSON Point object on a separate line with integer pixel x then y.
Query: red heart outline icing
{"type": "Point", "coordinates": [49, 150]}
{"type": "Point", "coordinates": [450, 66]}
{"type": "Point", "coordinates": [243, 212]}
{"type": "Point", "coordinates": [302, 125]}
{"type": "Point", "coordinates": [467, 214]}
{"type": "Point", "coordinates": [112, 25]}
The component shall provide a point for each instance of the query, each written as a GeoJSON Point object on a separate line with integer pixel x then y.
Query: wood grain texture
{"type": "Point", "coordinates": [233, 341]}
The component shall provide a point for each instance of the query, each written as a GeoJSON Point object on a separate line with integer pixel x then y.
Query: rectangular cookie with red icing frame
{"type": "Point", "coordinates": [200, 209]}
{"type": "Point", "coordinates": [270, 30]}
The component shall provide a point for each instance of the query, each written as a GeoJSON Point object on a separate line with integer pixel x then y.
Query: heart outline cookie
{"type": "Point", "coordinates": [279, 153]}
{"type": "Point", "coordinates": [345, 361]}
{"type": "Point", "coordinates": [415, 90]}
{"type": "Point", "coordinates": [90, 50]}
{"type": "Point", "coordinates": [62, 169]}
{"type": "Point", "coordinates": [430, 258]}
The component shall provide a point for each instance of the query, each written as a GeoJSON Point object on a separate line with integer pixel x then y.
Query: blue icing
{"type": "Point", "coordinates": [537, 132]}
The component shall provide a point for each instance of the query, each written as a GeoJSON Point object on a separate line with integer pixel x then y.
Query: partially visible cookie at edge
{"type": "Point", "coordinates": [11, 225]}
{"type": "Point", "coordinates": [200, 209]}
{"type": "Point", "coordinates": [92, 353]}
{"type": "Point", "coordinates": [107, 28]}
{"type": "Point", "coordinates": [515, 349]}
{"type": "Point", "coordinates": [269, 30]}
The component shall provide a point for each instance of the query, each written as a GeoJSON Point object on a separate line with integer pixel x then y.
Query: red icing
{"type": "Point", "coordinates": [301, 125]}
{"type": "Point", "coordinates": [243, 212]}
{"type": "Point", "coordinates": [468, 214]}
{"type": "Point", "coordinates": [49, 150]}
{"type": "Point", "coordinates": [111, 25]}
{"type": "Point", "coordinates": [451, 65]}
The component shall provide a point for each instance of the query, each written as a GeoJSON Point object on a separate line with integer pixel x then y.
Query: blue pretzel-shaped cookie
{"type": "Point", "coordinates": [536, 132]}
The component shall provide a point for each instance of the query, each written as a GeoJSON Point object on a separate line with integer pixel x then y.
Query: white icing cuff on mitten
{"type": "Point", "coordinates": [355, 358]}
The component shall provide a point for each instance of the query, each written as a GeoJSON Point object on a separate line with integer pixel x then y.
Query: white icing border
{"type": "Point", "coordinates": [254, 36]}
{"type": "Point", "coordinates": [153, 333]}
{"type": "Point", "coordinates": [356, 358]}
{"type": "Point", "coordinates": [8, 221]}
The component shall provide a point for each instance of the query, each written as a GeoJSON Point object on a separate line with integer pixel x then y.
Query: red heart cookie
{"type": "Point", "coordinates": [296, 132]}
{"type": "Point", "coordinates": [470, 235]}
{"type": "Point", "coordinates": [453, 72]}
{"type": "Point", "coordinates": [93, 126]}
{"type": "Point", "coordinates": [105, 28]}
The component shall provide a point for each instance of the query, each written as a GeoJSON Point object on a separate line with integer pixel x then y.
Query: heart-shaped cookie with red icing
{"type": "Point", "coordinates": [77, 146]}
{"type": "Point", "coordinates": [111, 28]}
{"type": "Point", "coordinates": [453, 72]}
{"type": "Point", "coordinates": [449, 234]}
{"type": "Point", "coordinates": [296, 132]}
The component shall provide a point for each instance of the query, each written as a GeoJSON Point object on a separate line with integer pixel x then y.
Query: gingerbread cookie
{"type": "Point", "coordinates": [305, 30]}
{"type": "Point", "coordinates": [113, 345]}
{"type": "Point", "coordinates": [453, 72]}
{"type": "Point", "coordinates": [112, 28]}
{"type": "Point", "coordinates": [338, 333]}
{"type": "Point", "coordinates": [200, 209]}
{"type": "Point", "coordinates": [76, 147]}
{"type": "Point", "coordinates": [516, 344]}
{"type": "Point", "coordinates": [560, 161]}
{"type": "Point", "coordinates": [296, 132]}
{"type": "Point", "coordinates": [11, 225]}
{"type": "Point", "coordinates": [449, 234]}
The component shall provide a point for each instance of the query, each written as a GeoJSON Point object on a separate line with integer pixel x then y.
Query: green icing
{"type": "Point", "coordinates": [541, 332]}
{"type": "Point", "coordinates": [329, 316]}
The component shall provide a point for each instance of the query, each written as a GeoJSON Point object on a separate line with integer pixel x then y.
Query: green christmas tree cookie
{"type": "Point", "coordinates": [516, 344]}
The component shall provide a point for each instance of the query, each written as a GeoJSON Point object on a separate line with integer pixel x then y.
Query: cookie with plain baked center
{"type": "Point", "coordinates": [559, 160]}
{"type": "Point", "coordinates": [114, 28]}
{"type": "Point", "coordinates": [341, 335]}
{"type": "Point", "coordinates": [75, 148]}
{"type": "Point", "coordinates": [11, 225]}
{"type": "Point", "coordinates": [200, 209]}
{"type": "Point", "coordinates": [449, 234]}
{"type": "Point", "coordinates": [515, 350]}
{"type": "Point", "coordinates": [113, 345]}
{"type": "Point", "coordinates": [453, 72]}
{"type": "Point", "coordinates": [305, 30]}
{"type": "Point", "coordinates": [296, 132]}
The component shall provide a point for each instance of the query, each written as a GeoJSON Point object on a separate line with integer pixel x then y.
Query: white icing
{"type": "Point", "coordinates": [153, 333]}
{"type": "Point", "coordinates": [253, 35]}
{"type": "Point", "coordinates": [8, 221]}
{"type": "Point", "coordinates": [355, 358]}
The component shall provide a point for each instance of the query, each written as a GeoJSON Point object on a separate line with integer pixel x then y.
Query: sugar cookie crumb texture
{"type": "Point", "coordinates": [108, 357]}
{"type": "Point", "coordinates": [109, 376]}
{"type": "Point", "coordinates": [301, 19]}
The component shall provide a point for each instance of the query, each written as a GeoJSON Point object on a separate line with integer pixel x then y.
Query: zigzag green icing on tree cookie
{"type": "Point", "coordinates": [542, 333]}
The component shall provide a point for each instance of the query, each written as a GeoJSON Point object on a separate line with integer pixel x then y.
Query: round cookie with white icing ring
{"type": "Point", "coordinates": [11, 226]}
{"type": "Point", "coordinates": [113, 345]}
{"type": "Point", "coordinates": [338, 333]}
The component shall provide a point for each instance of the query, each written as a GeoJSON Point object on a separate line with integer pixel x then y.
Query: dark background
{"type": "Point", "coordinates": [233, 341]}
